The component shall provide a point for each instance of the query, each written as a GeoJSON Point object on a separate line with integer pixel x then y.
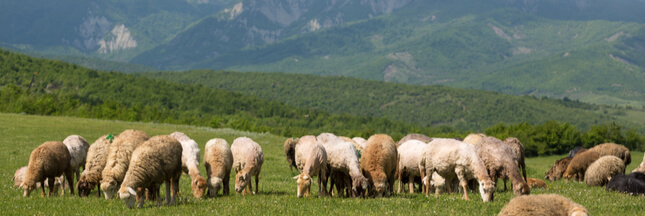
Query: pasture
{"type": "Point", "coordinates": [20, 134]}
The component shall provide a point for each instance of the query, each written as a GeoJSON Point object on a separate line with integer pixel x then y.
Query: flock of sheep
{"type": "Point", "coordinates": [133, 166]}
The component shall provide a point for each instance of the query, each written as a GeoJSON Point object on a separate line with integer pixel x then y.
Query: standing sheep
{"type": "Point", "coordinates": [579, 165]}
{"type": "Point", "coordinates": [413, 136]}
{"type": "Point", "coordinates": [474, 138]}
{"type": "Point", "coordinates": [455, 159]}
{"type": "Point", "coordinates": [77, 147]}
{"type": "Point", "coordinates": [48, 161]}
{"type": "Point", "coordinates": [311, 160]}
{"type": "Point", "coordinates": [543, 204]}
{"type": "Point", "coordinates": [557, 170]}
{"type": "Point", "coordinates": [156, 161]}
{"type": "Point", "coordinates": [410, 154]}
{"type": "Point", "coordinates": [190, 163]}
{"type": "Point", "coordinates": [96, 160]}
{"type": "Point", "coordinates": [342, 159]}
{"type": "Point", "coordinates": [290, 152]}
{"type": "Point", "coordinates": [633, 183]}
{"type": "Point", "coordinates": [378, 164]}
{"type": "Point", "coordinates": [518, 148]}
{"type": "Point", "coordinates": [218, 161]}
{"type": "Point", "coordinates": [614, 149]}
{"type": "Point", "coordinates": [19, 178]}
{"type": "Point", "coordinates": [501, 162]}
{"type": "Point", "coordinates": [118, 160]}
{"type": "Point", "coordinates": [247, 162]}
{"type": "Point", "coordinates": [603, 169]}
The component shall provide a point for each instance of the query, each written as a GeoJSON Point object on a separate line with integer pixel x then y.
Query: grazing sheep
{"type": "Point", "coordinates": [543, 204]}
{"type": "Point", "coordinates": [378, 164]}
{"type": "Point", "coordinates": [77, 147]}
{"type": "Point", "coordinates": [218, 161]}
{"type": "Point", "coordinates": [342, 158]}
{"type": "Point", "coordinates": [579, 165]}
{"type": "Point", "coordinates": [311, 160]}
{"type": "Point", "coordinates": [557, 170]}
{"type": "Point", "coordinates": [455, 159]}
{"type": "Point", "coordinates": [156, 161]}
{"type": "Point", "coordinates": [575, 151]}
{"type": "Point", "coordinates": [641, 167]}
{"type": "Point", "coordinates": [614, 149]}
{"type": "Point", "coordinates": [501, 162]}
{"type": "Point", "coordinates": [118, 159]}
{"type": "Point", "coordinates": [290, 152]}
{"type": "Point", "coordinates": [518, 148]}
{"type": "Point", "coordinates": [19, 177]}
{"type": "Point", "coordinates": [474, 138]}
{"type": "Point", "coordinates": [603, 169]}
{"type": "Point", "coordinates": [633, 183]}
{"type": "Point", "coordinates": [536, 183]}
{"type": "Point", "coordinates": [410, 154]}
{"type": "Point", "coordinates": [247, 162]}
{"type": "Point", "coordinates": [46, 162]}
{"type": "Point", "coordinates": [413, 136]}
{"type": "Point", "coordinates": [190, 163]}
{"type": "Point", "coordinates": [96, 160]}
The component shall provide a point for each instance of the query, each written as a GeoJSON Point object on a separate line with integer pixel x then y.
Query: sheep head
{"type": "Point", "coordinates": [359, 186]}
{"type": "Point", "coordinates": [199, 186]}
{"type": "Point", "coordinates": [109, 188]}
{"type": "Point", "coordinates": [521, 189]}
{"type": "Point", "coordinates": [487, 190]}
{"type": "Point", "coordinates": [578, 211]}
{"type": "Point", "coordinates": [304, 184]}
{"type": "Point", "coordinates": [242, 178]}
{"type": "Point", "coordinates": [28, 186]}
{"type": "Point", "coordinates": [216, 184]}
{"type": "Point", "coordinates": [128, 195]}
{"type": "Point", "coordinates": [380, 186]}
{"type": "Point", "coordinates": [84, 187]}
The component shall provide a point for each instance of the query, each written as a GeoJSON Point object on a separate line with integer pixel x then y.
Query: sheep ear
{"type": "Point", "coordinates": [132, 191]}
{"type": "Point", "coordinates": [195, 182]}
{"type": "Point", "coordinates": [296, 177]}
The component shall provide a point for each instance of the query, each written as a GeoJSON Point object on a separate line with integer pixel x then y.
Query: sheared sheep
{"type": "Point", "coordinates": [77, 147]}
{"type": "Point", "coordinates": [190, 163]}
{"type": "Point", "coordinates": [474, 138]}
{"type": "Point", "coordinates": [557, 170]}
{"type": "Point", "coordinates": [342, 158]}
{"type": "Point", "coordinates": [94, 165]}
{"type": "Point", "coordinates": [154, 162]}
{"type": "Point", "coordinates": [575, 151]}
{"type": "Point", "coordinates": [603, 169]}
{"type": "Point", "coordinates": [641, 167]}
{"type": "Point", "coordinates": [455, 159]}
{"type": "Point", "coordinates": [290, 152]}
{"type": "Point", "coordinates": [614, 149]}
{"type": "Point", "coordinates": [19, 177]}
{"type": "Point", "coordinates": [413, 136]}
{"type": "Point", "coordinates": [378, 164]}
{"type": "Point", "coordinates": [536, 183]}
{"type": "Point", "coordinates": [410, 154]}
{"type": "Point", "coordinates": [48, 161]}
{"type": "Point", "coordinates": [311, 160]}
{"type": "Point", "coordinates": [247, 162]}
{"type": "Point", "coordinates": [579, 165]}
{"type": "Point", "coordinates": [633, 183]}
{"type": "Point", "coordinates": [543, 204]}
{"type": "Point", "coordinates": [118, 159]}
{"type": "Point", "coordinates": [501, 162]}
{"type": "Point", "coordinates": [218, 161]}
{"type": "Point", "coordinates": [518, 148]}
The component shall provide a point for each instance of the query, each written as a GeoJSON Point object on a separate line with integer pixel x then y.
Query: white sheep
{"type": "Point", "coordinates": [603, 169]}
{"type": "Point", "coordinates": [247, 162]}
{"type": "Point", "coordinates": [218, 161]}
{"type": "Point", "coordinates": [501, 162]}
{"type": "Point", "coordinates": [360, 141]}
{"type": "Point", "coordinates": [455, 159]}
{"type": "Point", "coordinates": [311, 160]}
{"type": "Point", "coordinates": [118, 160]}
{"type": "Point", "coordinates": [190, 163]}
{"type": "Point", "coordinates": [543, 204]}
{"type": "Point", "coordinates": [342, 158]}
{"type": "Point", "coordinates": [410, 154]}
{"type": "Point", "coordinates": [156, 161]}
{"type": "Point", "coordinates": [46, 162]}
{"type": "Point", "coordinates": [19, 178]}
{"type": "Point", "coordinates": [94, 165]}
{"type": "Point", "coordinates": [77, 147]}
{"type": "Point", "coordinates": [474, 138]}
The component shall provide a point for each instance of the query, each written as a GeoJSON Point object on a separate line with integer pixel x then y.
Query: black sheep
{"type": "Point", "coordinates": [633, 183]}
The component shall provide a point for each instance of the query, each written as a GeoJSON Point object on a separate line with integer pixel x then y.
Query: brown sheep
{"type": "Point", "coordinates": [290, 151]}
{"type": "Point", "coordinates": [413, 136]}
{"type": "Point", "coordinates": [218, 161]}
{"type": "Point", "coordinates": [603, 169]}
{"type": "Point", "coordinates": [536, 183]}
{"type": "Point", "coordinates": [118, 160]}
{"type": "Point", "coordinates": [579, 165]}
{"type": "Point", "coordinates": [543, 204]}
{"type": "Point", "coordinates": [154, 162]}
{"type": "Point", "coordinates": [501, 162]}
{"type": "Point", "coordinates": [94, 165]}
{"type": "Point", "coordinates": [247, 162]}
{"type": "Point", "coordinates": [48, 161]}
{"type": "Point", "coordinates": [518, 148]}
{"type": "Point", "coordinates": [474, 138]}
{"type": "Point", "coordinates": [614, 149]}
{"type": "Point", "coordinates": [557, 170]}
{"type": "Point", "coordinates": [378, 164]}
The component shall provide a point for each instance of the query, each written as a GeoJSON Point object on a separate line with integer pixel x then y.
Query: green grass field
{"type": "Point", "coordinates": [22, 133]}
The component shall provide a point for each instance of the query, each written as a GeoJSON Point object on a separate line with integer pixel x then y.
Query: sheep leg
{"type": "Point", "coordinates": [50, 181]}
{"type": "Point", "coordinates": [257, 182]}
{"type": "Point", "coordinates": [505, 189]}
{"type": "Point", "coordinates": [168, 189]}
{"type": "Point", "coordinates": [400, 182]}
{"type": "Point", "coordinates": [463, 182]}
{"type": "Point", "coordinates": [225, 190]}
{"type": "Point", "coordinates": [70, 182]}
{"type": "Point", "coordinates": [410, 184]}
{"type": "Point", "coordinates": [424, 183]}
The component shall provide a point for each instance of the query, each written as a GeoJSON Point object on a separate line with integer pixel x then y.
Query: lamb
{"type": "Point", "coordinates": [156, 161]}
{"type": "Point", "coordinates": [633, 183]}
{"type": "Point", "coordinates": [641, 167]}
{"type": "Point", "coordinates": [543, 204]}
{"type": "Point", "coordinates": [48, 161]}
{"type": "Point", "coordinates": [118, 159]}
{"type": "Point", "coordinates": [536, 183]}
{"type": "Point", "coordinates": [19, 178]}
{"type": "Point", "coordinates": [474, 138]}
{"type": "Point", "coordinates": [289, 151]}
{"type": "Point", "coordinates": [342, 158]}
{"type": "Point", "coordinates": [603, 169]}
{"type": "Point", "coordinates": [575, 151]}
{"type": "Point", "coordinates": [311, 160]}
{"type": "Point", "coordinates": [77, 147]}
{"type": "Point", "coordinates": [410, 154]}
{"type": "Point", "coordinates": [619, 151]}
{"type": "Point", "coordinates": [190, 163]}
{"type": "Point", "coordinates": [378, 164]}
{"type": "Point", "coordinates": [247, 162]}
{"type": "Point", "coordinates": [557, 170]}
{"type": "Point", "coordinates": [518, 148]}
{"type": "Point", "coordinates": [218, 161]}
{"type": "Point", "coordinates": [579, 165]}
{"type": "Point", "coordinates": [501, 162]}
{"type": "Point", "coordinates": [455, 159]}
{"type": "Point", "coordinates": [413, 136]}
{"type": "Point", "coordinates": [94, 165]}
